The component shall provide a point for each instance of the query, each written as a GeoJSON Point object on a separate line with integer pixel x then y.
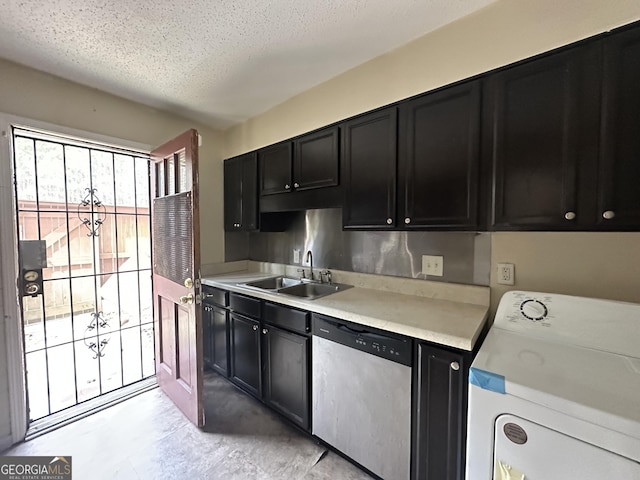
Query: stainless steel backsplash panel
{"type": "Point", "coordinates": [467, 255]}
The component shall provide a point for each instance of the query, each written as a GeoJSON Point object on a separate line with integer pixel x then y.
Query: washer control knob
{"type": "Point", "coordinates": [533, 309]}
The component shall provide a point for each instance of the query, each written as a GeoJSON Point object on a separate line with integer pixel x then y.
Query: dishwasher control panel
{"type": "Point", "coordinates": [390, 346]}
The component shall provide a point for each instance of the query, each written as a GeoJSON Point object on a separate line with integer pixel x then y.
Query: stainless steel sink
{"type": "Point", "coordinates": [274, 283]}
{"type": "Point", "coordinates": [311, 291]}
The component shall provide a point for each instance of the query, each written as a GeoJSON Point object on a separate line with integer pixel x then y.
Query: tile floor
{"type": "Point", "coordinates": [147, 437]}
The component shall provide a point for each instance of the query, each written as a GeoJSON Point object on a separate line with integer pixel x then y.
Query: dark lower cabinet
{"type": "Point", "coordinates": [245, 353]}
{"type": "Point", "coordinates": [215, 328]}
{"type": "Point", "coordinates": [285, 364]}
{"type": "Point", "coordinates": [220, 340]}
{"type": "Point", "coordinates": [440, 413]}
{"type": "Point", "coordinates": [207, 335]}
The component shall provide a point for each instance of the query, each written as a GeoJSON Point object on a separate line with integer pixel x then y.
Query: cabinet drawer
{"type": "Point", "coordinates": [289, 318]}
{"type": "Point", "coordinates": [244, 305]}
{"type": "Point", "coordinates": [215, 295]}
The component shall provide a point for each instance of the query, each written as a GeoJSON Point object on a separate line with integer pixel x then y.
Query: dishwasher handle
{"type": "Point", "coordinates": [361, 333]}
{"type": "Point", "coordinates": [388, 345]}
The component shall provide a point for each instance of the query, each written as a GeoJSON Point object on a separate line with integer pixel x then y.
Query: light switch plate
{"type": "Point", "coordinates": [296, 255]}
{"type": "Point", "coordinates": [433, 265]}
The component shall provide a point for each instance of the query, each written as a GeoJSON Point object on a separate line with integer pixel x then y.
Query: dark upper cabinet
{"type": "Point", "coordinates": [439, 158]}
{"type": "Point", "coordinates": [542, 130]}
{"type": "Point", "coordinates": [309, 162]}
{"type": "Point", "coordinates": [286, 373]}
{"type": "Point", "coordinates": [369, 159]}
{"type": "Point", "coordinates": [316, 160]}
{"type": "Point", "coordinates": [440, 414]}
{"type": "Point", "coordinates": [618, 202]}
{"type": "Point", "coordinates": [275, 168]}
{"type": "Point", "coordinates": [241, 193]}
{"type": "Point", "coordinates": [245, 353]}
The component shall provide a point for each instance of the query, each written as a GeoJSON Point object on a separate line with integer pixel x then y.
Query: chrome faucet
{"type": "Point", "coordinates": [310, 260]}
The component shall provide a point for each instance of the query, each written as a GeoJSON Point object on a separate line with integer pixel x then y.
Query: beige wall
{"type": "Point", "coordinates": [600, 265]}
{"type": "Point", "coordinates": [502, 33]}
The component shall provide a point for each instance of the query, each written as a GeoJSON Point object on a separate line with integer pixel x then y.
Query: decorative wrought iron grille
{"type": "Point", "coordinates": [91, 332]}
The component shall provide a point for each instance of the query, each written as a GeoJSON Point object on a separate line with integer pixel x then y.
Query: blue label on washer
{"type": "Point", "coordinates": [487, 380]}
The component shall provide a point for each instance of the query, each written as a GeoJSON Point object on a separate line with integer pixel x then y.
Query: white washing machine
{"type": "Point", "coordinates": [554, 392]}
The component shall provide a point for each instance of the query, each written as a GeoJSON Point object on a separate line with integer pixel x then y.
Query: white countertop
{"type": "Point", "coordinates": [445, 322]}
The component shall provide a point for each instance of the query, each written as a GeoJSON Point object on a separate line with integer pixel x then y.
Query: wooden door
{"type": "Point", "coordinates": [439, 157]}
{"type": "Point", "coordinates": [369, 157]}
{"type": "Point", "coordinates": [175, 219]}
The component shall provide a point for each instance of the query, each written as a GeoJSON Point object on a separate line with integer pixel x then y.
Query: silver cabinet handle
{"type": "Point", "coordinates": [570, 215]}
{"type": "Point", "coordinates": [287, 187]}
{"type": "Point", "coordinates": [608, 215]}
{"type": "Point", "coordinates": [255, 327]}
{"type": "Point", "coordinates": [296, 185]}
{"type": "Point", "coordinates": [407, 220]}
{"type": "Point", "coordinates": [264, 331]}
{"type": "Point", "coordinates": [455, 366]}
{"type": "Point", "coordinates": [389, 221]}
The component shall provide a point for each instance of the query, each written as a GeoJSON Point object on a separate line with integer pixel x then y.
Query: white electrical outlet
{"type": "Point", "coordinates": [506, 274]}
{"type": "Point", "coordinates": [433, 265]}
{"type": "Point", "coordinates": [296, 255]}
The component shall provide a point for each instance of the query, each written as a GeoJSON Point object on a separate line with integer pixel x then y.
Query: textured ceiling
{"type": "Point", "coordinates": [218, 62]}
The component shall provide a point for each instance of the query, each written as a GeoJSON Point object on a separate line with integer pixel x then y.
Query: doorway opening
{"type": "Point", "coordinates": [88, 329]}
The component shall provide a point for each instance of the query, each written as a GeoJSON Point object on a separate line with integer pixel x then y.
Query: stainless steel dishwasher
{"type": "Point", "coordinates": [361, 395]}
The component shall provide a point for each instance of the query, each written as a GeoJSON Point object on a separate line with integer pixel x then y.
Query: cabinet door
{"type": "Point", "coordinates": [369, 157]}
{"type": "Point", "coordinates": [439, 157]}
{"type": "Point", "coordinates": [245, 354]}
{"type": "Point", "coordinates": [619, 167]}
{"type": "Point", "coordinates": [249, 208]}
{"type": "Point", "coordinates": [440, 414]}
{"type": "Point", "coordinates": [232, 194]}
{"type": "Point", "coordinates": [207, 335]}
{"type": "Point", "coordinates": [275, 168]}
{"type": "Point", "coordinates": [544, 124]}
{"type": "Point", "coordinates": [241, 193]}
{"type": "Point", "coordinates": [220, 340]}
{"type": "Point", "coordinates": [286, 374]}
{"type": "Point", "coordinates": [316, 160]}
